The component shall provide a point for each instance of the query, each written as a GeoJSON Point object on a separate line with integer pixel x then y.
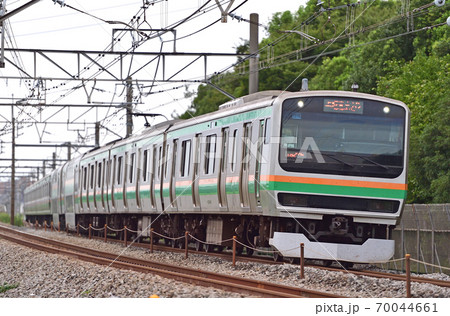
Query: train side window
{"type": "Point", "coordinates": [185, 157]}
{"type": "Point", "coordinates": [166, 158]}
{"type": "Point", "coordinates": [112, 169]}
{"type": "Point", "coordinates": [159, 162]}
{"type": "Point", "coordinates": [84, 178]}
{"type": "Point", "coordinates": [112, 165]}
{"type": "Point", "coordinates": [246, 145]}
{"type": "Point", "coordinates": [234, 151]}
{"type": "Point", "coordinates": [132, 160]}
{"type": "Point", "coordinates": [152, 178]}
{"type": "Point", "coordinates": [75, 178]}
{"type": "Point", "coordinates": [91, 175]}
{"type": "Point", "coordinates": [223, 160]}
{"type": "Point", "coordinates": [262, 130]}
{"type": "Point", "coordinates": [145, 165]}
{"type": "Point", "coordinates": [119, 169]}
{"type": "Point", "coordinates": [210, 153]}
{"type": "Point", "coordinates": [99, 175]}
{"type": "Point", "coordinates": [267, 131]}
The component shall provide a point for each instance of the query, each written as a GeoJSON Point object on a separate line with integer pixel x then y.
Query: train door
{"type": "Point", "coordinates": [208, 182]}
{"type": "Point", "coordinates": [112, 182]}
{"type": "Point", "coordinates": [103, 184]}
{"type": "Point", "coordinates": [144, 185]}
{"type": "Point", "coordinates": [134, 179]}
{"type": "Point", "coordinates": [183, 176]}
{"type": "Point", "coordinates": [168, 192]}
{"type": "Point", "coordinates": [55, 195]}
{"type": "Point", "coordinates": [259, 160]}
{"type": "Point", "coordinates": [254, 165]}
{"type": "Point", "coordinates": [222, 181]}
{"type": "Point", "coordinates": [232, 179]}
{"type": "Point", "coordinates": [71, 192]}
{"type": "Point", "coordinates": [244, 167]}
{"type": "Point", "coordinates": [61, 190]}
{"type": "Point", "coordinates": [77, 189]}
{"type": "Point", "coordinates": [118, 183]}
{"type": "Point", "coordinates": [69, 188]}
{"type": "Point", "coordinates": [130, 186]}
{"type": "Point", "coordinates": [172, 173]}
{"type": "Point", "coordinates": [107, 186]}
{"type": "Point", "coordinates": [88, 183]}
{"type": "Point", "coordinates": [100, 204]}
{"type": "Point", "coordinates": [123, 183]}
{"type": "Point", "coordinates": [138, 179]}
{"type": "Point", "coordinates": [83, 186]}
{"type": "Point", "coordinates": [92, 187]}
{"type": "Point", "coordinates": [153, 175]}
{"type": "Point", "coordinates": [158, 183]}
{"type": "Point", "coordinates": [196, 173]}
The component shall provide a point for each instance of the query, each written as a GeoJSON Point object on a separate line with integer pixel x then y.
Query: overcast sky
{"type": "Point", "coordinates": [46, 25]}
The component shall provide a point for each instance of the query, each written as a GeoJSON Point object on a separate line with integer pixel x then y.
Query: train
{"type": "Point", "coordinates": [275, 169]}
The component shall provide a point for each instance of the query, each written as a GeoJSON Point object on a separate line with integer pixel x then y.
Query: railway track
{"type": "Point", "coordinates": [392, 276]}
{"type": "Point", "coordinates": [259, 259]}
{"type": "Point", "coordinates": [183, 274]}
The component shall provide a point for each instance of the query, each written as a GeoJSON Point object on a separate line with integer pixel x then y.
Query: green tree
{"type": "Point", "coordinates": [334, 74]}
{"type": "Point", "coordinates": [423, 85]}
{"type": "Point", "coordinates": [383, 56]}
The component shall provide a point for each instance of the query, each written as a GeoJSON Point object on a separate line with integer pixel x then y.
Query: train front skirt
{"type": "Point", "coordinates": [371, 251]}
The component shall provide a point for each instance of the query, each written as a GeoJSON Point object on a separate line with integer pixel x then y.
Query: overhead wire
{"type": "Point", "coordinates": [117, 59]}
{"type": "Point", "coordinates": [77, 87]}
{"type": "Point", "coordinates": [396, 19]}
{"type": "Point", "coordinates": [279, 40]}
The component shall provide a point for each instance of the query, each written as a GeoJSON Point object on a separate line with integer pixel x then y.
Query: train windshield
{"type": "Point", "coordinates": [344, 136]}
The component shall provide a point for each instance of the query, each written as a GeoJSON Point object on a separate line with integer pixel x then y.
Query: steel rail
{"type": "Point", "coordinates": [256, 259]}
{"type": "Point", "coordinates": [188, 275]}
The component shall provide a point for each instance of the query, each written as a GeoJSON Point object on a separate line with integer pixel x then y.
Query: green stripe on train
{"type": "Point", "coordinates": [334, 189]}
{"type": "Point", "coordinates": [211, 189]}
{"type": "Point", "coordinates": [205, 126]}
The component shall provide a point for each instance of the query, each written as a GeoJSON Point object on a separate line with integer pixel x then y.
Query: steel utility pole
{"type": "Point", "coordinates": [129, 106]}
{"type": "Point", "coordinates": [97, 134]}
{"type": "Point", "coordinates": [13, 166]}
{"type": "Point", "coordinates": [253, 84]}
{"type": "Point", "coordinates": [2, 39]}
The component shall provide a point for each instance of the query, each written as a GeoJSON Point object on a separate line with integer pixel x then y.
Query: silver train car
{"type": "Point", "coordinates": [276, 169]}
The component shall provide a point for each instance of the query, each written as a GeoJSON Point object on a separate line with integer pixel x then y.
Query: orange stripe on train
{"type": "Point", "coordinates": [349, 183]}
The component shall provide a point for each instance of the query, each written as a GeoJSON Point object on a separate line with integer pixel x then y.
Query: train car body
{"type": "Point", "coordinates": [323, 168]}
{"type": "Point", "coordinates": [37, 200]}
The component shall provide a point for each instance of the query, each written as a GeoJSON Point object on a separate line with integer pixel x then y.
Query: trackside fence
{"type": "Point", "coordinates": [424, 232]}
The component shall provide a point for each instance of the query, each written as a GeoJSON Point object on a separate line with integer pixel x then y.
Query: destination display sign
{"type": "Point", "coordinates": [343, 106]}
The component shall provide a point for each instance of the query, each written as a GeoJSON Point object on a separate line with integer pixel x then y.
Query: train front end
{"type": "Point", "coordinates": [337, 177]}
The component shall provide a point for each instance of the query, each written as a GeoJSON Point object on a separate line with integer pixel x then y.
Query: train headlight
{"type": "Point", "coordinates": [386, 110]}
{"type": "Point", "coordinates": [382, 206]}
{"type": "Point", "coordinates": [296, 200]}
{"type": "Point", "coordinates": [301, 104]}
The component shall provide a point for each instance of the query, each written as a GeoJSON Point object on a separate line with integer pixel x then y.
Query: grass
{"type": "Point", "coordinates": [5, 218]}
{"type": "Point", "coordinates": [86, 293]}
{"type": "Point", "coordinates": [5, 287]}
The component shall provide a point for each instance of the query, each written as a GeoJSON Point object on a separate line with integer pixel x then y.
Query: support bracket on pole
{"type": "Point", "coordinates": [224, 12]}
{"type": "Point", "coordinates": [89, 95]}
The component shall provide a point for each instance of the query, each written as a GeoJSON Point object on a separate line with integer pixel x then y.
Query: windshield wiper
{"type": "Point", "coordinates": [337, 159]}
{"type": "Point", "coordinates": [367, 159]}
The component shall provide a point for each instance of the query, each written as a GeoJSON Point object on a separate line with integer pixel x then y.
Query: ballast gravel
{"type": "Point", "coordinates": [32, 273]}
